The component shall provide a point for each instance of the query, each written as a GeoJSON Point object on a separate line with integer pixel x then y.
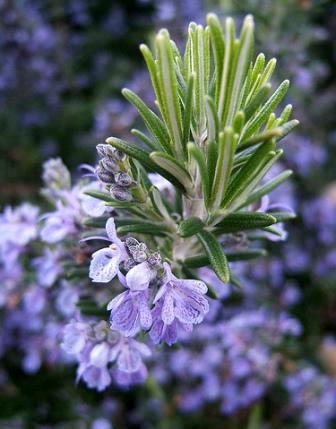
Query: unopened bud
{"type": "Point", "coordinates": [105, 150]}
{"type": "Point", "coordinates": [131, 241]}
{"type": "Point", "coordinates": [155, 259]}
{"type": "Point", "coordinates": [104, 175]}
{"type": "Point", "coordinates": [123, 179]}
{"type": "Point", "coordinates": [120, 194]}
{"type": "Point", "coordinates": [129, 263]}
{"type": "Point", "coordinates": [108, 164]}
{"type": "Point", "coordinates": [140, 256]}
{"type": "Point", "coordinates": [120, 156]}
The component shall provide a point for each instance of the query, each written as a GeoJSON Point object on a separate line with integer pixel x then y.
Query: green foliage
{"type": "Point", "coordinates": [214, 137]}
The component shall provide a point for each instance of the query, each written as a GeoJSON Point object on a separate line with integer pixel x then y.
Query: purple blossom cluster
{"type": "Point", "coordinates": [95, 346]}
{"type": "Point", "coordinates": [178, 304]}
{"type": "Point", "coordinates": [313, 396]}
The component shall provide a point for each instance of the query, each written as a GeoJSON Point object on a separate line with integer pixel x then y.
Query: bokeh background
{"type": "Point", "coordinates": [62, 66]}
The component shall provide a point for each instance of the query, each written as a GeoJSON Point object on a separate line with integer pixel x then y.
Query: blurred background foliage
{"type": "Point", "coordinates": [63, 65]}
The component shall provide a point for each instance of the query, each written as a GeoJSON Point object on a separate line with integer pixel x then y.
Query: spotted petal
{"type": "Point", "coordinates": [191, 308]}
{"type": "Point", "coordinates": [168, 309]}
{"type": "Point", "coordinates": [129, 359]}
{"type": "Point", "coordinates": [104, 265]}
{"type": "Point", "coordinates": [124, 316]}
{"type": "Point", "coordinates": [194, 285]}
{"type": "Point", "coordinates": [112, 232]}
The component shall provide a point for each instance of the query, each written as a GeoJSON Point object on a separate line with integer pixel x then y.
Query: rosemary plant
{"type": "Point", "coordinates": [207, 149]}
{"type": "Point", "coordinates": [214, 137]}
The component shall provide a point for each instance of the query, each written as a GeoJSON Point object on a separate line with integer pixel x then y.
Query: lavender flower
{"type": "Point", "coordinates": [96, 347]}
{"type": "Point", "coordinates": [130, 312]}
{"type": "Point", "coordinates": [180, 300]}
{"type": "Point", "coordinates": [105, 262]}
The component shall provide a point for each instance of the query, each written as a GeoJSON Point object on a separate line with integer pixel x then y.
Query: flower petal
{"type": "Point", "coordinates": [167, 313]}
{"type": "Point", "coordinates": [104, 265]}
{"type": "Point", "coordinates": [194, 285]}
{"type": "Point", "coordinates": [116, 301]}
{"type": "Point", "coordinates": [124, 317]}
{"type": "Point", "coordinates": [129, 359]}
{"type": "Point", "coordinates": [139, 277]}
{"type": "Point", "coordinates": [191, 308]}
{"type": "Point", "coordinates": [99, 355]}
{"type": "Point", "coordinates": [112, 232]}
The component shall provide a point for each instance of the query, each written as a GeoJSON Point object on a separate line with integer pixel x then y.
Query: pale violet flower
{"type": "Point", "coordinates": [75, 336]}
{"type": "Point", "coordinates": [48, 266]}
{"type": "Point", "coordinates": [18, 225]}
{"type": "Point", "coordinates": [67, 298]}
{"type": "Point", "coordinates": [129, 353]}
{"type": "Point", "coordinates": [130, 312]}
{"type": "Point", "coordinates": [161, 331]}
{"type": "Point", "coordinates": [95, 377]}
{"type": "Point", "coordinates": [139, 277]}
{"type": "Point", "coordinates": [92, 206]}
{"type": "Point", "coordinates": [105, 262]}
{"type": "Point", "coordinates": [180, 303]}
{"type": "Point", "coordinates": [59, 224]}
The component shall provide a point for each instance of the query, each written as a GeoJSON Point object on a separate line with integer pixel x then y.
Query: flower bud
{"type": "Point", "coordinates": [104, 175]}
{"type": "Point", "coordinates": [140, 256]}
{"type": "Point", "coordinates": [108, 164]}
{"type": "Point", "coordinates": [105, 150]}
{"type": "Point", "coordinates": [120, 194]}
{"type": "Point", "coordinates": [155, 259]}
{"type": "Point", "coordinates": [123, 179]}
{"type": "Point", "coordinates": [131, 241]}
{"type": "Point", "coordinates": [129, 263]}
{"type": "Point", "coordinates": [56, 175]}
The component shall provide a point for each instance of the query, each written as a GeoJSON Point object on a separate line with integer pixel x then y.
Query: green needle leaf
{"type": "Point", "coordinates": [241, 68]}
{"type": "Point", "coordinates": [248, 172]}
{"type": "Point", "coordinates": [144, 228]}
{"type": "Point", "coordinates": [198, 155]}
{"type": "Point", "coordinates": [226, 148]}
{"type": "Point", "coordinates": [217, 39]}
{"type": "Point", "coordinates": [255, 122]}
{"type": "Point", "coordinates": [268, 187]}
{"type": "Point", "coordinates": [241, 221]}
{"type": "Point", "coordinates": [153, 122]}
{"type": "Point", "coordinates": [187, 114]}
{"type": "Point", "coordinates": [215, 254]}
{"type": "Point", "coordinates": [174, 168]}
{"type": "Point", "coordinates": [190, 227]}
{"type": "Point", "coordinates": [99, 195]}
{"type": "Point", "coordinates": [168, 83]}
{"type": "Point", "coordinates": [148, 142]}
{"type": "Point", "coordinates": [202, 260]}
{"type": "Point", "coordinates": [283, 216]}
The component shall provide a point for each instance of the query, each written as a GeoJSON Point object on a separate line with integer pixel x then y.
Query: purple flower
{"type": "Point", "coordinates": [95, 377]}
{"type": "Point", "coordinates": [67, 298]}
{"type": "Point", "coordinates": [75, 337]}
{"type": "Point", "coordinates": [59, 224]}
{"type": "Point", "coordinates": [178, 300]}
{"type": "Point", "coordinates": [90, 205]}
{"type": "Point", "coordinates": [130, 312]}
{"type": "Point", "coordinates": [18, 226]}
{"type": "Point", "coordinates": [128, 354]}
{"type": "Point", "coordinates": [34, 300]}
{"type": "Point", "coordinates": [105, 262]}
{"type": "Point", "coordinates": [48, 267]}
{"type": "Point", "coordinates": [161, 331]}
